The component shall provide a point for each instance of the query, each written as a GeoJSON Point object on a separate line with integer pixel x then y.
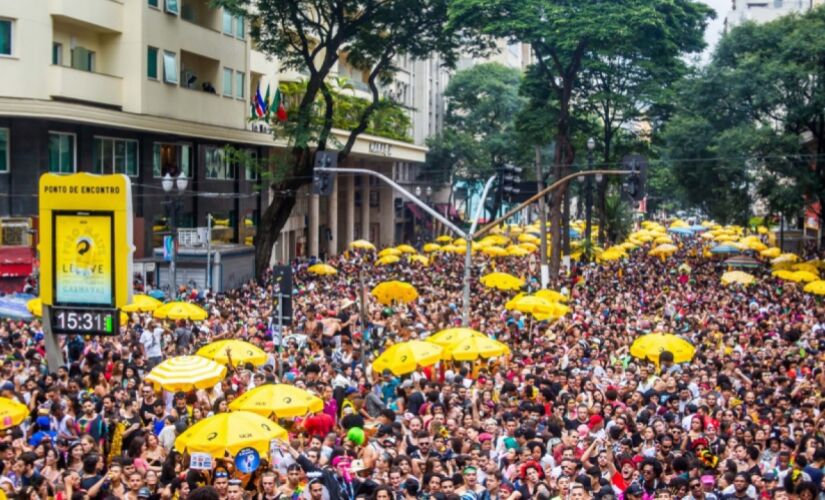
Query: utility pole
{"type": "Point", "coordinates": [588, 209]}
{"type": "Point", "coordinates": [545, 270]}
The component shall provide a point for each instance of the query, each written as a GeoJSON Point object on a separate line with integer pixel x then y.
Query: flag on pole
{"type": "Point", "coordinates": [260, 105]}
{"type": "Point", "coordinates": [278, 104]}
{"type": "Point", "coordinates": [267, 107]}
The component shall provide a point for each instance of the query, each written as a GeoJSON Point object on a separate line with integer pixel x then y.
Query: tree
{"type": "Point", "coordinates": [479, 133]}
{"type": "Point", "coordinates": [564, 34]}
{"type": "Point", "coordinates": [311, 35]}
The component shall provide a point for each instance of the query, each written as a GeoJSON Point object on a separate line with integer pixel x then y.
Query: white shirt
{"type": "Point", "coordinates": [151, 342]}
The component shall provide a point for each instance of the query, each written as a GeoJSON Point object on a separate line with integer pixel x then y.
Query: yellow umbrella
{"type": "Point", "coordinates": [406, 249]}
{"type": "Point", "coordinates": [806, 266]}
{"type": "Point", "coordinates": [230, 433]}
{"type": "Point", "coordinates": [241, 352]}
{"type": "Point", "coordinates": [739, 277]}
{"type": "Point", "coordinates": [551, 295]}
{"type": "Point", "coordinates": [12, 413]}
{"type": "Point", "coordinates": [494, 251]}
{"type": "Point", "coordinates": [783, 274]}
{"type": "Point", "coordinates": [142, 303]}
{"type": "Point", "coordinates": [389, 292]}
{"type": "Point", "coordinates": [518, 251]}
{"type": "Point", "coordinates": [815, 287]}
{"type": "Point", "coordinates": [785, 257]}
{"type": "Point", "coordinates": [450, 336]}
{"type": "Point", "coordinates": [362, 245]}
{"type": "Point", "coordinates": [444, 239]}
{"type": "Point", "coordinates": [756, 245]}
{"type": "Point", "coordinates": [502, 281]}
{"type": "Point", "coordinates": [474, 347]}
{"type": "Point", "coordinates": [183, 373]}
{"type": "Point", "coordinates": [389, 251]}
{"type": "Point", "coordinates": [650, 346]}
{"type": "Point", "coordinates": [180, 310]}
{"type": "Point", "coordinates": [322, 270]}
{"type": "Point", "coordinates": [431, 247]}
{"type": "Point", "coordinates": [424, 261]}
{"type": "Point", "coordinates": [665, 249]}
{"type": "Point", "coordinates": [527, 303]}
{"type": "Point", "coordinates": [770, 253]}
{"type": "Point", "coordinates": [554, 310]}
{"type": "Point", "coordinates": [387, 260]}
{"type": "Point", "coordinates": [804, 277]}
{"type": "Point", "coordinates": [281, 400]}
{"type": "Point", "coordinates": [406, 357]}
{"type": "Point", "coordinates": [530, 247]}
{"type": "Point", "coordinates": [496, 239]}
{"type": "Point", "coordinates": [528, 238]}
{"type": "Point", "coordinates": [661, 240]}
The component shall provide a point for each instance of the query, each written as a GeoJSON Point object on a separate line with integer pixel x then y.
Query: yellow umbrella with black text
{"type": "Point", "coordinates": [230, 433]}
{"type": "Point", "coordinates": [281, 400]}
{"type": "Point", "coordinates": [406, 357]}
{"type": "Point", "coordinates": [390, 292]}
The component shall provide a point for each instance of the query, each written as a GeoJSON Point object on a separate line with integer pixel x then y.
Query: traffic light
{"type": "Point", "coordinates": [510, 178]}
{"type": "Point", "coordinates": [322, 181]}
{"type": "Point", "coordinates": [635, 183]}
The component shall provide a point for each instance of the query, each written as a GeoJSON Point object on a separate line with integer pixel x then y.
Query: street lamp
{"type": "Point", "coordinates": [591, 145]}
{"type": "Point", "coordinates": [173, 204]}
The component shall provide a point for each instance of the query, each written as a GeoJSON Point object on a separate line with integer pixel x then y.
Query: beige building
{"type": "Point", "coordinates": [150, 87]}
{"type": "Point", "coordinates": [762, 11]}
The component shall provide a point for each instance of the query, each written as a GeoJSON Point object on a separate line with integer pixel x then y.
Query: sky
{"type": "Point", "coordinates": [714, 29]}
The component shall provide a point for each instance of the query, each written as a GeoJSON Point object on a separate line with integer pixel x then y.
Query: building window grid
{"type": "Point", "coordinates": [171, 158]}
{"type": "Point", "coordinates": [227, 81]}
{"type": "Point", "coordinates": [62, 152]}
{"type": "Point", "coordinates": [217, 166]}
{"type": "Point", "coordinates": [240, 81]}
{"type": "Point", "coordinates": [170, 67]}
{"type": "Point", "coordinates": [57, 54]}
{"type": "Point", "coordinates": [6, 36]}
{"type": "Point", "coordinates": [5, 151]}
{"type": "Point", "coordinates": [115, 155]}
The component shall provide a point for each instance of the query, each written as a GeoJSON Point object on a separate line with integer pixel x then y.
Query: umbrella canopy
{"type": "Point", "coordinates": [685, 231]}
{"type": "Point", "coordinates": [472, 348]}
{"type": "Point", "coordinates": [431, 247]}
{"type": "Point", "coordinates": [281, 400]}
{"type": "Point", "coordinates": [552, 311]}
{"type": "Point", "coordinates": [664, 249]}
{"type": "Point", "coordinates": [742, 261]}
{"type": "Point", "coordinates": [739, 277]}
{"type": "Point", "coordinates": [771, 253]}
{"type": "Point", "coordinates": [183, 373]}
{"type": "Point", "coordinates": [362, 245]}
{"type": "Point", "coordinates": [815, 287]}
{"type": "Point", "coordinates": [650, 346]}
{"type": "Point", "coordinates": [450, 336]}
{"type": "Point", "coordinates": [390, 292]}
{"type": "Point", "coordinates": [15, 308]}
{"type": "Point", "coordinates": [494, 251]}
{"type": "Point", "coordinates": [241, 352]}
{"type": "Point", "coordinates": [529, 238]}
{"type": "Point", "coordinates": [527, 303]}
{"type": "Point", "coordinates": [725, 248]}
{"type": "Point", "coordinates": [785, 257]}
{"type": "Point", "coordinates": [804, 277]}
{"type": "Point", "coordinates": [518, 251]}
{"type": "Point", "coordinates": [406, 249]}
{"type": "Point", "coordinates": [12, 413]}
{"type": "Point", "coordinates": [142, 303]}
{"type": "Point", "coordinates": [389, 251]}
{"type": "Point", "coordinates": [502, 281]}
{"type": "Point", "coordinates": [661, 240]}
{"type": "Point", "coordinates": [406, 357]}
{"type": "Point", "coordinates": [322, 270]}
{"type": "Point", "coordinates": [783, 274]}
{"type": "Point", "coordinates": [421, 259]}
{"type": "Point", "coordinates": [551, 295]}
{"type": "Point", "coordinates": [180, 310]}
{"type": "Point", "coordinates": [157, 294]}
{"type": "Point", "coordinates": [387, 260]}
{"type": "Point", "coordinates": [230, 433]}
{"type": "Point", "coordinates": [444, 239]}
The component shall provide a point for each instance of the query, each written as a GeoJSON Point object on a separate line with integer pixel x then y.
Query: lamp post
{"type": "Point", "coordinates": [588, 209]}
{"type": "Point", "coordinates": [174, 202]}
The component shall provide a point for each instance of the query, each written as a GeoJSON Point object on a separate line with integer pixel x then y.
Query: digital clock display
{"type": "Point", "coordinates": [86, 321]}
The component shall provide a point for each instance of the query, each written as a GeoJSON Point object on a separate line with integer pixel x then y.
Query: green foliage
{"type": "Point", "coordinates": [618, 218]}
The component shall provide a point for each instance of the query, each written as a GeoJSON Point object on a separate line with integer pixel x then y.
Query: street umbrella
{"type": "Point", "coordinates": [12, 413]}
{"type": "Point", "coordinates": [387, 260]}
{"type": "Point", "coordinates": [783, 274]}
{"type": "Point", "coordinates": [322, 270]}
{"type": "Point", "coordinates": [529, 238]}
{"type": "Point", "coordinates": [662, 250]}
{"type": "Point", "coordinates": [650, 346]}
{"type": "Point", "coordinates": [472, 348]}
{"type": "Point", "coordinates": [281, 400]}
{"type": "Point", "coordinates": [495, 251]}
{"type": "Point", "coordinates": [450, 336]}
{"type": "Point", "coordinates": [804, 277]}
{"type": "Point", "coordinates": [757, 246]}
{"type": "Point", "coordinates": [685, 231]}
{"type": "Point", "coordinates": [553, 311]}
{"type": "Point", "coordinates": [551, 295]}
{"type": "Point", "coordinates": [421, 259]}
{"type": "Point", "coordinates": [362, 245]}
{"type": "Point", "coordinates": [184, 373]}
{"type": "Point", "coordinates": [430, 247]}
{"type": "Point", "coordinates": [724, 248]}
{"type": "Point", "coordinates": [157, 294]}
{"type": "Point", "coordinates": [518, 251]}
{"type": "Point", "coordinates": [390, 292]}
{"type": "Point", "coordinates": [180, 310]}
{"type": "Point", "coordinates": [742, 261]}
{"type": "Point", "coordinates": [444, 239]}
{"type": "Point", "coordinates": [406, 357]}
{"type": "Point", "coordinates": [142, 303]}
{"type": "Point", "coordinates": [240, 351]}
{"type": "Point", "coordinates": [230, 433]}
{"type": "Point", "coordinates": [771, 253]}
{"type": "Point", "coordinates": [785, 257]}
{"type": "Point", "coordinates": [739, 277]}
{"type": "Point", "coordinates": [389, 251]}
{"type": "Point", "coordinates": [815, 287]}
{"type": "Point", "coordinates": [526, 303]}
{"type": "Point", "coordinates": [406, 249]}
{"type": "Point", "coordinates": [15, 308]}
{"type": "Point", "coordinates": [502, 281]}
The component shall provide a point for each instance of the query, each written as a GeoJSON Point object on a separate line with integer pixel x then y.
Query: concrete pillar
{"type": "Point", "coordinates": [365, 207]}
{"type": "Point", "coordinates": [313, 224]}
{"type": "Point", "coordinates": [386, 216]}
{"type": "Point", "coordinates": [332, 219]}
{"type": "Point", "coordinates": [349, 202]}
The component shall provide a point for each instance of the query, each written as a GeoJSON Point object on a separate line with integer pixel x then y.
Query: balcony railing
{"type": "Point", "coordinates": [79, 85]}
{"type": "Point", "coordinates": [105, 16]}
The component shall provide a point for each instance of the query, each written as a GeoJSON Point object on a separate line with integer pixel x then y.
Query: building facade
{"type": "Point", "coordinates": [150, 87]}
{"type": "Point", "coordinates": [762, 11]}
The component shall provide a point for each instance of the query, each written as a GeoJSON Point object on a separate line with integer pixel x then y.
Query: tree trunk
{"type": "Point", "coordinates": [272, 221]}
{"type": "Point", "coordinates": [601, 194]}
{"type": "Point", "coordinates": [565, 235]}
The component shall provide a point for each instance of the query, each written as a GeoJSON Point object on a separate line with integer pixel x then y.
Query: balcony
{"type": "Point", "coordinates": [103, 16]}
{"type": "Point", "coordinates": [78, 85]}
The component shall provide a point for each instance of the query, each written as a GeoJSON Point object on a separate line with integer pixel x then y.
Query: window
{"type": "Point", "coordinates": [252, 166]}
{"type": "Point", "coordinates": [153, 3]}
{"type": "Point", "coordinates": [115, 156]}
{"type": "Point", "coordinates": [172, 159]}
{"type": "Point", "coordinates": [83, 59]}
{"type": "Point", "coordinates": [227, 22]}
{"type": "Point", "coordinates": [5, 37]}
{"type": "Point", "coordinates": [4, 150]}
{"type": "Point", "coordinates": [61, 152]}
{"type": "Point", "coordinates": [240, 32]}
{"type": "Point", "coordinates": [217, 165]}
{"type": "Point", "coordinates": [170, 67]}
{"type": "Point", "coordinates": [172, 6]}
{"type": "Point", "coordinates": [152, 63]}
{"type": "Point", "coordinates": [239, 84]}
{"type": "Point", "coordinates": [227, 82]}
{"type": "Point", "coordinates": [57, 54]}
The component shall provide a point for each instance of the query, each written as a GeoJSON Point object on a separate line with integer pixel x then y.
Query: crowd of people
{"type": "Point", "coordinates": [568, 414]}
